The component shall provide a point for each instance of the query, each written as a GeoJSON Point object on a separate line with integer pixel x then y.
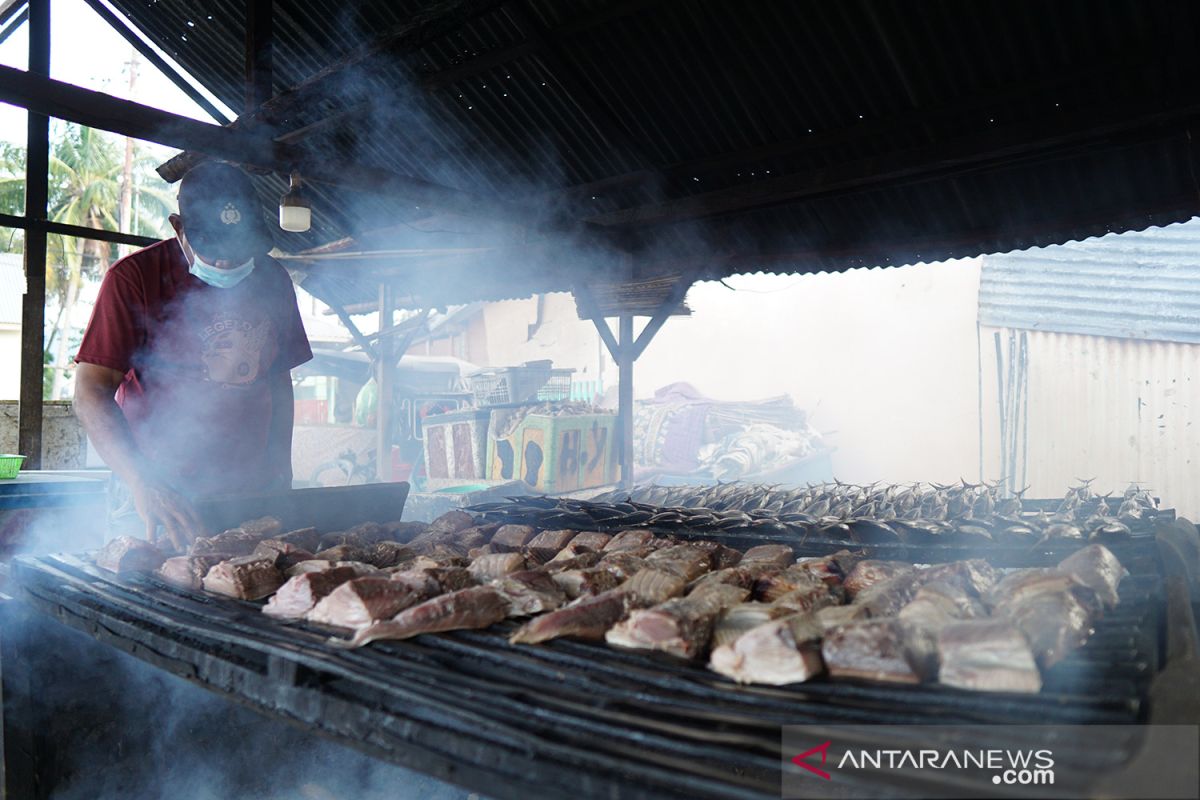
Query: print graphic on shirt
{"type": "Point", "coordinates": [233, 349]}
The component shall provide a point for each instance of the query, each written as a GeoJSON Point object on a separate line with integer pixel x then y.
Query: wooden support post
{"type": "Point", "coordinates": [626, 350]}
{"type": "Point", "coordinates": [259, 85]}
{"type": "Point", "coordinates": [385, 366]}
{"type": "Point", "coordinates": [33, 307]}
{"type": "Point", "coordinates": [625, 398]}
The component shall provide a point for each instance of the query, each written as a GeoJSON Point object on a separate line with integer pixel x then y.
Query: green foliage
{"type": "Point", "coordinates": [86, 174]}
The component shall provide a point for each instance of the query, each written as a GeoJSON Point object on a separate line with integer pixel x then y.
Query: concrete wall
{"type": "Point", "coordinates": [64, 444]}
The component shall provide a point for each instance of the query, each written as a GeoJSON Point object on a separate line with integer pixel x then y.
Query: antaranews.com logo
{"type": "Point", "coordinates": [1025, 762]}
{"type": "Point", "coordinates": [1008, 767]}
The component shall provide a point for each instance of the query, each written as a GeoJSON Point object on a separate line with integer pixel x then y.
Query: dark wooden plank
{"type": "Point", "coordinates": [151, 55]}
{"type": "Point", "coordinates": [502, 723]}
{"type": "Point", "coordinates": [327, 508]}
{"type": "Point", "coordinates": [33, 305]}
{"type": "Point", "coordinates": [95, 109]}
{"type": "Point", "coordinates": [259, 52]}
{"type": "Point", "coordinates": [64, 229]}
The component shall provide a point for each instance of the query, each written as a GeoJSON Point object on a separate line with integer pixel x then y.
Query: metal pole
{"type": "Point", "coordinates": [386, 367]}
{"type": "Point", "coordinates": [625, 398]}
{"type": "Point", "coordinates": [33, 307]}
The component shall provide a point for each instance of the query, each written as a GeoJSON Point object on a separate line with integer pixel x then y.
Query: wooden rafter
{"type": "Point", "coordinates": [57, 99]}
{"type": "Point", "coordinates": [432, 24]}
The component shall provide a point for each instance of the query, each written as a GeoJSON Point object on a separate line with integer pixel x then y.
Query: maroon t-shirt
{"type": "Point", "coordinates": [196, 361]}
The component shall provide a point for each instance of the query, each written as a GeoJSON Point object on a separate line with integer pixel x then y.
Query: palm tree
{"type": "Point", "coordinates": [86, 179]}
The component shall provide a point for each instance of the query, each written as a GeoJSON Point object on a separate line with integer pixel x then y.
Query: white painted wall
{"type": "Point", "coordinates": [10, 362]}
{"type": "Point", "coordinates": [884, 361]}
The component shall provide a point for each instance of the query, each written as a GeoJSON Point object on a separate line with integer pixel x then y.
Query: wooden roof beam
{"type": "Point", "coordinates": [97, 110]}
{"type": "Point", "coordinates": [432, 24]}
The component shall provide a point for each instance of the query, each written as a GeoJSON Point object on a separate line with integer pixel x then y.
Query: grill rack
{"type": "Point", "coordinates": [567, 718]}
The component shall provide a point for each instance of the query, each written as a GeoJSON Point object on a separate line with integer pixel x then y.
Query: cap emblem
{"type": "Point", "coordinates": [230, 214]}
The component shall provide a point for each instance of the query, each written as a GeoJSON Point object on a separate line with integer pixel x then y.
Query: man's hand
{"type": "Point", "coordinates": [159, 505]}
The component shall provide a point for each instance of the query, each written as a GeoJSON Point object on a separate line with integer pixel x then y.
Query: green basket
{"type": "Point", "coordinates": [10, 465]}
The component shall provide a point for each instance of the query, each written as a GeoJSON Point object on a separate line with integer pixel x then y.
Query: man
{"type": "Point", "coordinates": [184, 382]}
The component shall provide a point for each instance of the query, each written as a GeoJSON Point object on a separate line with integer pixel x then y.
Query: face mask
{"type": "Point", "coordinates": [220, 278]}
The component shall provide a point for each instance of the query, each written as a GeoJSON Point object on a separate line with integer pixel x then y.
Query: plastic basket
{"type": "Point", "coordinates": [10, 465]}
{"type": "Point", "coordinates": [520, 385]}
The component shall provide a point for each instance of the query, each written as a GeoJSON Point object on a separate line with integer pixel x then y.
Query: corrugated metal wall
{"type": "Point", "coordinates": [1116, 410]}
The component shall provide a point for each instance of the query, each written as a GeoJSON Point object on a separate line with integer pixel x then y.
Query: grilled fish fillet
{"type": "Point", "coordinates": [781, 651]}
{"type": "Point", "coordinates": [879, 650]}
{"type": "Point", "coordinates": [938, 604]}
{"type": "Point", "coordinates": [591, 540]}
{"type": "Point", "coordinates": [742, 618]}
{"type": "Point", "coordinates": [361, 601]}
{"type": "Point", "coordinates": [629, 540]}
{"type": "Point", "coordinates": [1097, 568]}
{"type": "Point", "coordinates": [872, 572]}
{"type": "Point", "coordinates": [244, 577]}
{"type": "Point", "coordinates": [187, 572]}
{"type": "Point", "coordinates": [681, 626]}
{"type": "Point", "coordinates": [297, 597]}
{"type": "Point", "coordinates": [475, 607]}
{"type": "Point", "coordinates": [589, 618]}
{"type": "Point", "coordinates": [987, 655]}
{"type": "Point", "coordinates": [547, 544]}
{"type": "Point", "coordinates": [779, 555]}
{"type": "Point", "coordinates": [578, 582]}
{"type": "Point", "coordinates": [530, 592]}
{"type": "Point", "coordinates": [496, 565]}
{"type": "Point", "coordinates": [511, 538]}
{"type": "Point", "coordinates": [127, 554]}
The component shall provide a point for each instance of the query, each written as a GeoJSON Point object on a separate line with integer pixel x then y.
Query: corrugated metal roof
{"type": "Point", "coordinates": [709, 95]}
{"type": "Point", "coordinates": [1135, 285]}
{"type": "Point", "coordinates": [12, 287]}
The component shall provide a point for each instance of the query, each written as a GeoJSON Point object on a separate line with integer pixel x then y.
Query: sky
{"type": "Point", "coordinates": [86, 51]}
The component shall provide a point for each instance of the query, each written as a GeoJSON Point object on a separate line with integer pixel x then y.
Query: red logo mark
{"type": "Point", "coordinates": [823, 749]}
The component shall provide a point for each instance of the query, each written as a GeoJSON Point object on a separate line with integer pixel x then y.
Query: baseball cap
{"type": "Point", "coordinates": [220, 211]}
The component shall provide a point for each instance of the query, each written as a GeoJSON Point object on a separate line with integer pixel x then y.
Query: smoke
{"type": "Point", "coordinates": [110, 727]}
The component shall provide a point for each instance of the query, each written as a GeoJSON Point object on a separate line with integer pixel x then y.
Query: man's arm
{"type": "Point", "coordinates": [101, 417]}
{"type": "Point", "coordinates": [279, 437]}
